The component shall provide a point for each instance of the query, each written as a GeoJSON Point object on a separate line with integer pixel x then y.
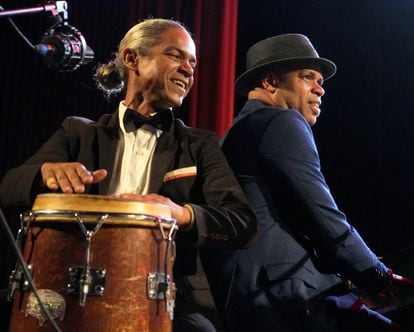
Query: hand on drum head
{"type": "Point", "coordinates": [181, 214]}
{"type": "Point", "coordinates": [69, 177]}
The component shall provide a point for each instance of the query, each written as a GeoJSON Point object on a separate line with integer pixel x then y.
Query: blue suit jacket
{"type": "Point", "coordinates": [305, 242]}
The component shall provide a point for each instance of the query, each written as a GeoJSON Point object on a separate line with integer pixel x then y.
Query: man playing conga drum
{"type": "Point", "coordinates": [141, 152]}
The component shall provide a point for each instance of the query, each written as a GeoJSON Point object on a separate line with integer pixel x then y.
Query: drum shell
{"type": "Point", "coordinates": [127, 252]}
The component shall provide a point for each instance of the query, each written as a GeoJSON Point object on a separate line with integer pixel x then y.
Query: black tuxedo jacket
{"type": "Point", "coordinates": [223, 217]}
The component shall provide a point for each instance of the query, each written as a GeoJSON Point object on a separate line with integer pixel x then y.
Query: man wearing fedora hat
{"type": "Point", "coordinates": [293, 277]}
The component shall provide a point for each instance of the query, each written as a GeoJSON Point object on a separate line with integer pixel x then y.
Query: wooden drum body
{"type": "Point", "coordinates": [130, 261]}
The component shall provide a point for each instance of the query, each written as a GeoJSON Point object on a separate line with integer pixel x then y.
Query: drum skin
{"type": "Point", "coordinates": [127, 250]}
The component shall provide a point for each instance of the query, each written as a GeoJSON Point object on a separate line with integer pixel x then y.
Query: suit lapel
{"type": "Point", "coordinates": [163, 157]}
{"type": "Point", "coordinates": [108, 138]}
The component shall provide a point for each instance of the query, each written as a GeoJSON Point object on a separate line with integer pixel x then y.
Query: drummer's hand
{"type": "Point", "coordinates": [178, 212]}
{"type": "Point", "coordinates": [69, 177]}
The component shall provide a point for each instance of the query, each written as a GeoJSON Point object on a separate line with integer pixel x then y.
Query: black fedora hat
{"type": "Point", "coordinates": [289, 48]}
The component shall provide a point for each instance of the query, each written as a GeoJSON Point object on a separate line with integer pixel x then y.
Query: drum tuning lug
{"type": "Point", "coordinates": [157, 285]}
{"type": "Point", "coordinates": [83, 284]}
{"type": "Point", "coordinates": [18, 281]}
{"type": "Point", "coordinates": [160, 288]}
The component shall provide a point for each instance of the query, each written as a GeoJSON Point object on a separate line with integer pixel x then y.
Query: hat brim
{"type": "Point", "coordinates": [244, 81]}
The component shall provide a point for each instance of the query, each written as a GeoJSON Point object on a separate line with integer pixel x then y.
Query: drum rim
{"type": "Point", "coordinates": [98, 204]}
{"type": "Point", "coordinates": [113, 218]}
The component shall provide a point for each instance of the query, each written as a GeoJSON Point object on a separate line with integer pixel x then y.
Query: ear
{"type": "Point", "coordinates": [269, 82]}
{"type": "Point", "coordinates": [129, 58]}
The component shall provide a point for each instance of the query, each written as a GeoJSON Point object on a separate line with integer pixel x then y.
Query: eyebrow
{"type": "Point", "coordinates": [314, 72]}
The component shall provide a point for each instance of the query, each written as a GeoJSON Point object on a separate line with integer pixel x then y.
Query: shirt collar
{"type": "Point", "coordinates": [121, 113]}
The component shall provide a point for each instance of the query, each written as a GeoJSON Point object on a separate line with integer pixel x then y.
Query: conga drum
{"type": "Point", "coordinates": [98, 264]}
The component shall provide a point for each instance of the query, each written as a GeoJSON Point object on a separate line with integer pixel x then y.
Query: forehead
{"type": "Point", "coordinates": [179, 39]}
{"type": "Point", "coordinates": [313, 69]}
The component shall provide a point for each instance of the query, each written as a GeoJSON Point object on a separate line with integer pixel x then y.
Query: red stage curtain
{"type": "Point", "coordinates": [35, 99]}
{"type": "Point", "coordinates": [213, 24]}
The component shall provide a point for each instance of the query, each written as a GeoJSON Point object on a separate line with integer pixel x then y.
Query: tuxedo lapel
{"type": "Point", "coordinates": [108, 138]}
{"type": "Point", "coordinates": [163, 157]}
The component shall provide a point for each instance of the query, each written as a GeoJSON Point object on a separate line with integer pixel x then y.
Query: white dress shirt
{"type": "Point", "coordinates": [133, 158]}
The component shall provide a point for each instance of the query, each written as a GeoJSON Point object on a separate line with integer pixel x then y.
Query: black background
{"type": "Point", "coordinates": [366, 130]}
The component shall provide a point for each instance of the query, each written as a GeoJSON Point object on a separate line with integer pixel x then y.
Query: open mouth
{"type": "Point", "coordinates": [316, 108]}
{"type": "Point", "coordinates": [180, 84]}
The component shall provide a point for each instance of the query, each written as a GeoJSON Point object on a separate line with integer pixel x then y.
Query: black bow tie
{"type": "Point", "coordinates": [161, 120]}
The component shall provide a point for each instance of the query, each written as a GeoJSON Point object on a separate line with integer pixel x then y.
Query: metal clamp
{"type": "Point", "coordinates": [85, 280]}
{"type": "Point", "coordinates": [160, 288]}
{"type": "Point", "coordinates": [18, 281]}
{"type": "Point", "coordinates": [95, 281]}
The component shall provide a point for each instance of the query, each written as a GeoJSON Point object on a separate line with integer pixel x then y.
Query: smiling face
{"type": "Point", "coordinates": [164, 77]}
{"type": "Point", "coordinates": [301, 89]}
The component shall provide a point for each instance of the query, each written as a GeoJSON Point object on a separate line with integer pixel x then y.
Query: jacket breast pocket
{"type": "Point", "coordinates": [180, 173]}
{"type": "Point", "coordinates": [180, 184]}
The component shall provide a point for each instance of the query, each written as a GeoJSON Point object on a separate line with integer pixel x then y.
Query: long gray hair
{"type": "Point", "coordinates": [111, 77]}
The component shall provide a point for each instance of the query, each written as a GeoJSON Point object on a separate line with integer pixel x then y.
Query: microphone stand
{"type": "Point", "coordinates": [55, 8]}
